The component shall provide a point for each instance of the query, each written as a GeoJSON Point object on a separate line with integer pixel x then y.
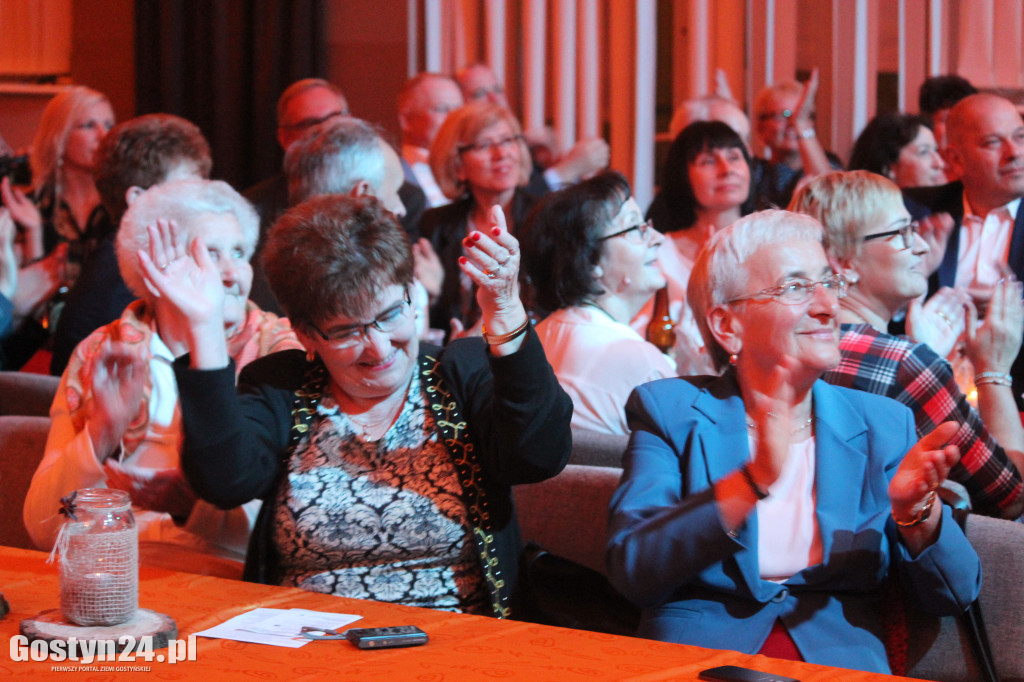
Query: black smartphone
{"type": "Point", "coordinates": [386, 638]}
{"type": "Point", "coordinates": [732, 673]}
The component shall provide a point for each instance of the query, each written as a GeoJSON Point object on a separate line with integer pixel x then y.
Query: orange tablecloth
{"type": "Point", "coordinates": [460, 648]}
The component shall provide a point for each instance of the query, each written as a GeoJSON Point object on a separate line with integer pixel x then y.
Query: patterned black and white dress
{"type": "Point", "coordinates": [380, 520]}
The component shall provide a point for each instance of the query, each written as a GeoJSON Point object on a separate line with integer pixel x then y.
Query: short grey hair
{"type": "Point", "coordinates": [332, 158]}
{"type": "Point", "coordinates": [720, 273]}
{"type": "Point", "coordinates": [183, 201]}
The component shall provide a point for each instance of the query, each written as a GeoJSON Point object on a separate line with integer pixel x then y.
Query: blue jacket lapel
{"type": "Point", "coordinates": [725, 448]}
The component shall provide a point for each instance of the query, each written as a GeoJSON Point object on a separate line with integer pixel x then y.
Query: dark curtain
{"type": "Point", "coordinates": [222, 65]}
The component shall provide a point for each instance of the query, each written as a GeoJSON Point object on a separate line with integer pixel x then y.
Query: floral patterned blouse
{"type": "Point", "coordinates": [381, 520]}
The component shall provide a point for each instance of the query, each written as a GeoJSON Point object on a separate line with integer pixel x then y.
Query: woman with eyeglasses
{"type": "Point", "coordinates": [762, 509]}
{"type": "Point", "coordinates": [480, 160]}
{"type": "Point", "coordinates": [593, 260]}
{"type": "Point", "coordinates": [875, 246]}
{"type": "Point", "coordinates": [385, 466]}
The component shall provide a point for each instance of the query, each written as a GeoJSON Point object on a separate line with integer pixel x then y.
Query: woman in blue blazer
{"type": "Point", "coordinates": [762, 510]}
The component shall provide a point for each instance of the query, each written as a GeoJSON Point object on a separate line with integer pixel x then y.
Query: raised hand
{"type": "Point", "coordinates": [922, 470]}
{"type": "Point", "coordinates": [940, 321]}
{"type": "Point", "coordinates": [118, 376]}
{"type": "Point", "coordinates": [427, 268]}
{"type": "Point", "coordinates": [25, 213]}
{"type": "Point", "coordinates": [159, 490]}
{"type": "Point", "coordinates": [187, 290]}
{"type": "Point", "coordinates": [8, 261]}
{"type": "Point", "coordinates": [993, 345]}
{"type": "Point", "coordinates": [935, 230]}
{"type": "Point", "coordinates": [771, 412]}
{"type": "Point", "coordinates": [492, 262]}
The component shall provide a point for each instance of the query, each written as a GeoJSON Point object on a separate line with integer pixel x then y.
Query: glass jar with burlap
{"type": "Point", "coordinates": [99, 558]}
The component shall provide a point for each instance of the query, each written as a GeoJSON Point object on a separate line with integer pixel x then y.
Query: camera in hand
{"type": "Point", "coordinates": [17, 168]}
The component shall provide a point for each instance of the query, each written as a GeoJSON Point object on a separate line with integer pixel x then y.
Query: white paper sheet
{"type": "Point", "coordinates": [278, 627]}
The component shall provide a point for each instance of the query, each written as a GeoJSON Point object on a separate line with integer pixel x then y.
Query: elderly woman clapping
{"type": "Point", "coordinates": [385, 466]}
{"type": "Point", "coordinates": [875, 245]}
{"type": "Point", "coordinates": [759, 510]}
{"type": "Point", "coordinates": [116, 419]}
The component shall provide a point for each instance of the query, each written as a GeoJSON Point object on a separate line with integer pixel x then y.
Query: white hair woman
{"type": "Point", "coordinates": [759, 510]}
{"type": "Point", "coordinates": [116, 420]}
{"type": "Point", "coordinates": [873, 243]}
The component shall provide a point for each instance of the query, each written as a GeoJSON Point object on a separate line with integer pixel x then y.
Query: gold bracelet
{"type": "Point", "coordinates": [921, 516]}
{"type": "Point", "coordinates": [498, 339]}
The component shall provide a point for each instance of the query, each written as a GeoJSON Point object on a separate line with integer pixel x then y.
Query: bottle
{"type": "Point", "coordinates": [99, 558]}
{"type": "Point", "coordinates": [659, 329]}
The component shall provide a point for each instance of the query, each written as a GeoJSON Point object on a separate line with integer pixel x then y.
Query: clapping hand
{"type": "Point", "coordinates": [993, 345]}
{"type": "Point", "coordinates": [492, 262]}
{"type": "Point", "coordinates": [118, 375]}
{"type": "Point", "coordinates": [186, 284]}
{"type": "Point", "coordinates": [922, 470]}
{"type": "Point", "coordinates": [940, 321]}
{"type": "Point", "coordinates": [159, 490]}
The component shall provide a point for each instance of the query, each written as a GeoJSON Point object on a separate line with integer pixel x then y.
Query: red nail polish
{"type": "Point", "coordinates": [463, 260]}
{"type": "Point", "coordinates": [475, 236]}
{"type": "Point", "coordinates": [496, 231]}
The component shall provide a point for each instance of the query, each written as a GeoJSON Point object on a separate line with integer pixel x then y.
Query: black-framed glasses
{"type": "Point", "coordinates": [354, 335]}
{"type": "Point", "coordinates": [639, 230]}
{"type": "Point", "coordinates": [486, 146]}
{"type": "Point", "coordinates": [798, 291]}
{"type": "Point", "coordinates": [906, 231]}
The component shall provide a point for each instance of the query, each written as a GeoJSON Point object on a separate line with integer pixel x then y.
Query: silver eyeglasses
{"type": "Point", "coordinates": [798, 291]}
{"type": "Point", "coordinates": [353, 335]}
{"type": "Point", "coordinates": [906, 231]}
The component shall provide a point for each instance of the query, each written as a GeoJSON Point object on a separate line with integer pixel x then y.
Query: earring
{"type": "Point", "coordinates": [732, 359]}
{"type": "Point", "coordinates": [310, 355]}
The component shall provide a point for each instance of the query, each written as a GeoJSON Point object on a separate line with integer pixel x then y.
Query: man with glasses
{"type": "Point", "coordinates": [784, 122]}
{"type": "Point", "coordinates": [349, 157]}
{"type": "Point", "coordinates": [984, 240]}
{"type": "Point", "coordinates": [302, 106]}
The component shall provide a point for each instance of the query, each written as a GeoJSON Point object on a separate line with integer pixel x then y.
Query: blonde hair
{"type": "Point", "coordinates": [845, 203]}
{"type": "Point", "coordinates": [720, 273]}
{"type": "Point", "coordinates": [55, 126]}
{"type": "Point", "coordinates": [461, 128]}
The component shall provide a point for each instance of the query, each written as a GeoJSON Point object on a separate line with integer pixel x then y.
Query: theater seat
{"type": "Point", "coordinates": [938, 648]}
{"type": "Point", "coordinates": [22, 442]}
{"type": "Point", "coordinates": [27, 394]}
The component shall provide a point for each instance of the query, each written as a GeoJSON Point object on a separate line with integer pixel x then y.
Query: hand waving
{"type": "Point", "coordinates": [188, 287]}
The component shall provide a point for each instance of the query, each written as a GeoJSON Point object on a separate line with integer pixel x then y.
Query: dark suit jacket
{"type": "Point", "coordinates": [949, 198]}
{"type": "Point", "coordinates": [445, 227]}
